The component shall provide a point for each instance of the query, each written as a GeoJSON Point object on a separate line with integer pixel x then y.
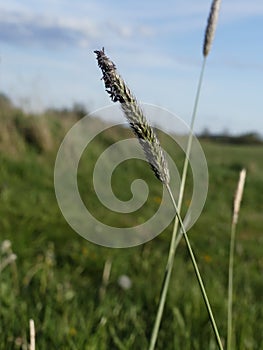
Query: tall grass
{"type": "Point", "coordinates": [177, 235]}
{"type": "Point", "coordinates": [119, 92]}
{"type": "Point", "coordinates": [208, 40]}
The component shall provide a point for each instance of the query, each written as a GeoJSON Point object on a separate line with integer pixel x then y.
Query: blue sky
{"type": "Point", "coordinates": [47, 60]}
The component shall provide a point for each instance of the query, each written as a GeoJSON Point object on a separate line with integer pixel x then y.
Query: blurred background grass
{"type": "Point", "coordinates": [57, 276]}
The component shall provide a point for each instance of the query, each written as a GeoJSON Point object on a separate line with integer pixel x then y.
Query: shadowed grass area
{"type": "Point", "coordinates": [57, 275]}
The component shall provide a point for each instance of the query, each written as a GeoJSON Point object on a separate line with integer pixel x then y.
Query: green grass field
{"type": "Point", "coordinates": [57, 276]}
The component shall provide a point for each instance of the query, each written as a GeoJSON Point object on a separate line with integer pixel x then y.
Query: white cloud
{"type": "Point", "coordinates": [31, 28]}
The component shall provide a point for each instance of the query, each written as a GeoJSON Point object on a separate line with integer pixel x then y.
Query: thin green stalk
{"type": "Point", "coordinates": [209, 35]}
{"type": "Point", "coordinates": [176, 239]}
{"type": "Point", "coordinates": [190, 138]}
{"type": "Point", "coordinates": [167, 279]}
{"type": "Point", "coordinates": [208, 40]}
{"type": "Point", "coordinates": [188, 151]}
{"type": "Point", "coordinates": [199, 278]}
{"type": "Point", "coordinates": [230, 286]}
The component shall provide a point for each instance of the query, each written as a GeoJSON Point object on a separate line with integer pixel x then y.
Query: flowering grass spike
{"type": "Point", "coordinates": [119, 92]}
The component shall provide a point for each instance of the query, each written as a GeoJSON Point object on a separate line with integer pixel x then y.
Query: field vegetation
{"type": "Point", "coordinates": [53, 276]}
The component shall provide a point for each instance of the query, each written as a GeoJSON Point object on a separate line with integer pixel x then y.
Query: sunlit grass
{"type": "Point", "coordinates": [59, 274]}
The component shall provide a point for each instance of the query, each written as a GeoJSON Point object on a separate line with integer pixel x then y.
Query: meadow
{"type": "Point", "coordinates": [58, 278]}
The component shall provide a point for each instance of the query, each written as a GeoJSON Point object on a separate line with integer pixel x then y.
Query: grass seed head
{"type": "Point", "coordinates": [238, 195]}
{"type": "Point", "coordinates": [119, 92]}
{"type": "Point", "coordinates": [211, 26]}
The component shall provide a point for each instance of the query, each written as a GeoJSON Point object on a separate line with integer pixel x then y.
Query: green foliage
{"type": "Point", "coordinates": [57, 275]}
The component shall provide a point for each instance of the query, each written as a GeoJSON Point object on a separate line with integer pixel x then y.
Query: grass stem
{"type": "Point", "coordinates": [176, 238]}
{"type": "Point", "coordinates": [187, 156]}
{"type": "Point", "coordinates": [230, 286]}
{"type": "Point", "coordinates": [199, 278]}
{"type": "Point", "coordinates": [209, 35]}
{"type": "Point", "coordinates": [167, 280]}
